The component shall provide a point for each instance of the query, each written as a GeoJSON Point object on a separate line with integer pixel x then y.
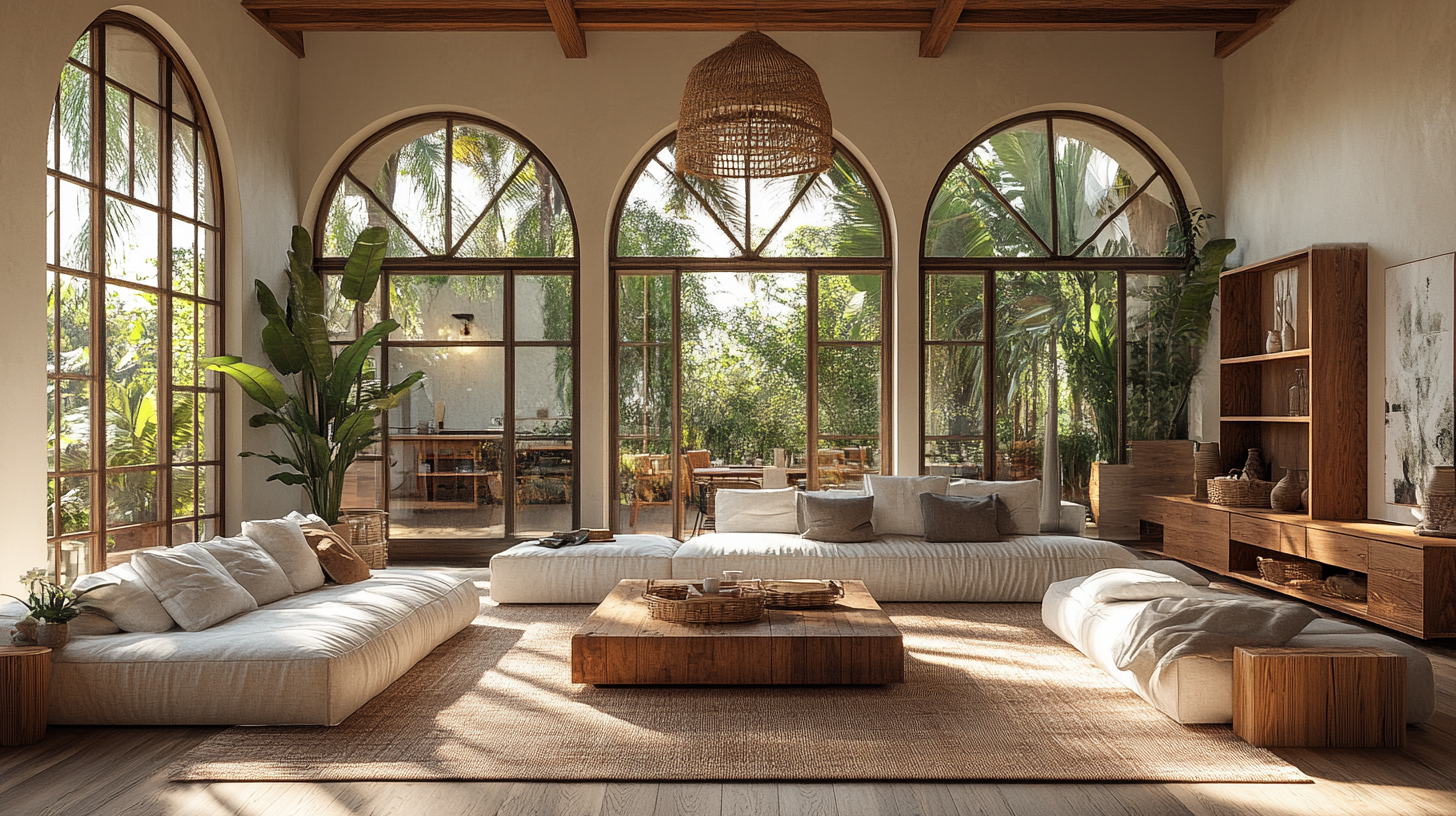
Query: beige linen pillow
{"type": "Point", "coordinates": [897, 502]}
{"type": "Point", "coordinates": [193, 587]}
{"type": "Point", "coordinates": [122, 595]}
{"type": "Point", "coordinates": [756, 511]}
{"type": "Point", "coordinates": [283, 539]}
{"type": "Point", "coordinates": [251, 566]}
{"type": "Point", "coordinates": [1022, 500]}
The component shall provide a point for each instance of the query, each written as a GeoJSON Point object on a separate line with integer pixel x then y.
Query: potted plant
{"type": "Point", "coordinates": [51, 606]}
{"type": "Point", "coordinates": [331, 413]}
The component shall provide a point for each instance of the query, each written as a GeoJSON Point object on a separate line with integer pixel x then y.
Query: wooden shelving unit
{"type": "Point", "coordinates": [1329, 319]}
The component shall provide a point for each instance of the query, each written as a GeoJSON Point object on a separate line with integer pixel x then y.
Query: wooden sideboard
{"type": "Point", "coordinates": [1412, 579]}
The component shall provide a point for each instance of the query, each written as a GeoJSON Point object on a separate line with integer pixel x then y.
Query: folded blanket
{"type": "Point", "coordinates": [1171, 628]}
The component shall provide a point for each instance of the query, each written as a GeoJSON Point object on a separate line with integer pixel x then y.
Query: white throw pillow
{"type": "Point", "coordinates": [1126, 584]}
{"type": "Point", "coordinates": [251, 566]}
{"type": "Point", "coordinates": [193, 587]}
{"type": "Point", "coordinates": [1177, 569]}
{"type": "Point", "coordinates": [1022, 500]}
{"type": "Point", "coordinates": [897, 502]}
{"type": "Point", "coordinates": [309, 521]}
{"type": "Point", "coordinates": [121, 594]}
{"type": "Point", "coordinates": [283, 539]}
{"type": "Point", "coordinates": [756, 511]}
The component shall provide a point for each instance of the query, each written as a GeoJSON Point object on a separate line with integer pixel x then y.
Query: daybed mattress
{"type": "Point", "coordinates": [904, 568]}
{"type": "Point", "coordinates": [1200, 689]}
{"type": "Point", "coordinates": [527, 573]}
{"type": "Point", "coordinates": [309, 659]}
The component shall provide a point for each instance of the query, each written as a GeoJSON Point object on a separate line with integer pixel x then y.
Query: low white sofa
{"type": "Point", "coordinates": [1200, 689]}
{"type": "Point", "coordinates": [309, 659]}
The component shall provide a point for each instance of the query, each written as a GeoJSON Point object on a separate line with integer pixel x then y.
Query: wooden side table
{"type": "Point", "coordinates": [25, 693]}
{"type": "Point", "coordinates": [1319, 698]}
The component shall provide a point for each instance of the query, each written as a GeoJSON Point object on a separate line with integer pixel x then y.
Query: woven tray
{"type": "Point", "coordinates": [801, 594]}
{"type": "Point", "coordinates": [1239, 492]}
{"type": "Point", "coordinates": [1287, 572]}
{"type": "Point", "coordinates": [670, 602]}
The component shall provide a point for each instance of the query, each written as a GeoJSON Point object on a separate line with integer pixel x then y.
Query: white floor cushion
{"type": "Point", "coordinates": [586, 573]}
{"type": "Point", "coordinates": [903, 568]}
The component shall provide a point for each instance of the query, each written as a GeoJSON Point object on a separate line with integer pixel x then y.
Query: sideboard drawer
{"type": "Point", "coordinates": [1256, 531]}
{"type": "Point", "coordinates": [1338, 550]}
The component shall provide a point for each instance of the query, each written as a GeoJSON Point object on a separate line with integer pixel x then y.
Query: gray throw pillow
{"type": "Point", "coordinates": [837, 519]}
{"type": "Point", "coordinates": [959, 518]}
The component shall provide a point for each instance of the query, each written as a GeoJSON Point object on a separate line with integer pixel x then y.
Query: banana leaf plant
{"type": "Point", "coordinates": [332, 414]}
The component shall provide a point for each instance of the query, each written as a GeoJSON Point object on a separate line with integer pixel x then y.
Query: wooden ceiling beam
{"type": "Point", "coordinates": [568, 29]}
{"type": "Point", "coordinates": [292, 39]}
{"type": "Point", "coordinates": [1227, 42]}
{"type": "Point", "coordinates": [933, 40]}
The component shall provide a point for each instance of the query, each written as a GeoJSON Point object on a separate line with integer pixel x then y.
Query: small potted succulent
{"type": "Point", "coordinates": [51, 606]}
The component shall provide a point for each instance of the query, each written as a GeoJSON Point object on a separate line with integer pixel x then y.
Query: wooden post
{"type": "Point", "coordinates": [25, 693]}
{"type": "Point", "coordinates": [1351, 697]}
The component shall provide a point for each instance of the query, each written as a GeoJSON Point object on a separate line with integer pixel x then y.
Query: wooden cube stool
{"type": "Point", "coordinates": [25, 693]}
{"type": "Point", "coordinates": [1319, 697]}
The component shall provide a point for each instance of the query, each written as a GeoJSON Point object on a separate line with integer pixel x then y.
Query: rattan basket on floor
{"type": "Point", "coordinates": [1288, 572]}
{"type": "Point", "coordinates": [368, 533]}
{"type": "Point", "coordinates": [806, 594]}
{"type": "Point", "coordinates": [672, 603]}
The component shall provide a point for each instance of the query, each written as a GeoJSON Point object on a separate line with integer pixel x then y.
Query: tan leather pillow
{"type": "Point", "coordinates": [336, 556]}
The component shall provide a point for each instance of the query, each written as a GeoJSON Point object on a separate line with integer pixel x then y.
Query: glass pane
{"type": "Point", "coordinates": [744, 385]}
{"type": "Point", "coordinates": [644, 308]}
{"type": "Point", "coordinates": [1015, 162]}
{"type": "Point", "coordinates": [81, 51]}
{"type": "Point", "coordinates": [961, 459]}
{"type": "Point", "coordinates": [837, 217]}
{"type": "Point", "coordinates": [406, 172]}
{"type": "Point", "coordinates": [131, 498]}
{"type": "Point", "coordinates": [75, 430]}
{"type": "Point", "coordinates": [644, 478]}
{"type": "Point", "coordinates": [206, 193]}
{"type": "Point", "coordinates": [184, 257]}
{"type": "Point", "coordinates": [50, 224]}
{"type": "Point", "coordinates": [426, 307]}
{"type": "Point", "coordinates": [544, 485]}
{"type": "Point", "coordinates": [181, 102]}
{"type": "Point", "coordinates": [339, 310]}
{"type": "Point", "coordinates": [953, 307]}
{"type": "Point", "coordinates": [133, 61]}
{"type": "Point", "coordinates": [183, 533]}
{"type": "Point", "coordinates": [670, 215]}
{"type": "Point", "coordinates": [1139, 230]}
{"type": "Point", "coordinates": [131, 376]}
{"type": "Point", "coordinates": [543, 308]}
{"type": "Point", "coordinates": [184, 492]}
{"type": "Point", "coordinates": [954, 390]}
{"type": "Point", "coordinates": [75, 122]}
{"type": "Point", "coordinates": [1096, 172]}
{"type": "Point", "coordinates": [849, 307]}
{"type": "Point", "coordinates": [843, 464]}
{"type": "Point", "coordinates": [966, 221]}
{"type": "Point", "coordinates": [184, 342]}
{"type": "Point", "coordinates": [849, 391]}
{"type": "Point", "coordinates": [208, 321]}
{"type": "Point", "coordinates": [75, 560]}
{"type": "Point", "coordinates": [463, 389]}
{"type": "Point", "coordinates": [50, 508]}
{"type": "Point", "coordinates": [207, 427]}
{"type": "Point", "coordinates": [528, 221]}
{"type": "Point", "coordinates": [543, 392]}
{"type": "Point", "coordinates": [184, 169]}
{"type": "Point", "coordinates": [351, 212]}
{"type": "Point", "coordinates": [209, 262]}
{"type": "Point", "coordinates": [131, 242]}
{"type": "Point", "coordinates": [75, 215]}
{"type": "Point", "coordinates": [644, 390]}
{"type": "Point", "coordinates": [75, 328]}
{"type": "Point", "coordinates": [118, 140]}
{"type": "Point", "coordinates": [209, 483]}
{"type": "Point", "coordinates": [363, 479]}
{"type": "Point", "coordinates": [446, 486]}
{"type": "Point", "coordinates": [147, 147]}
{"type": "Point", "coordinates": [51, 426]}
{"type": "Point", "coordinates": [184, 424]}
{"type": "Point", "coordinates": [1161, 361]}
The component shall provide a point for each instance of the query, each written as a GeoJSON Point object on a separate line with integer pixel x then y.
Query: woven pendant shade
{"type": "Point", "coordinates": [753, 110]}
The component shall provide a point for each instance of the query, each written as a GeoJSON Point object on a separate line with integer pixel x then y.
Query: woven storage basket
{"type": "Point", "coordinates": [1239, 492]}
{"type": "Point", "coordinates": [1285, 572]}
{"type": "Point", "coordinates": [801, 594]}
{"type": "Point", "coordinates": [670, 602]}
{"type": "Point", "coordinates": [1440, 511]}
{"type": "Point", "coordinates": [368, 533]}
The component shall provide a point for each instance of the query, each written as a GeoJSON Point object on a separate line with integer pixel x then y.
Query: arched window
{"type": "Point", "coordinates": [749, 317]}
{"type": "Point", "coordinates": [1053, 251]}
{"type": "Point", "coordinates": [481, 276]}
{"type": "Point", "coordinates": [134, 267]}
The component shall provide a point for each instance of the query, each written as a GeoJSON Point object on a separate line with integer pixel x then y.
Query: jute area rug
{"type": "Point", "coordinates": [990, 694]}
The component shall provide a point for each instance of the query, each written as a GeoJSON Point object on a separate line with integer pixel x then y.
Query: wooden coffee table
{"type": "Point", "coordinates": [852, 642]}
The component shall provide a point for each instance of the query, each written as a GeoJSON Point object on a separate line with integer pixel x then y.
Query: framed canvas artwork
{"type": "Point", "coordinates": [1420, 373]}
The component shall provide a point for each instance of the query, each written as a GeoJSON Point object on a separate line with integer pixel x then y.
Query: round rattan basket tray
{"type": "Point", "coordinates": [801, 594]}
{"type": "Point", "coordinates": [673, 603]}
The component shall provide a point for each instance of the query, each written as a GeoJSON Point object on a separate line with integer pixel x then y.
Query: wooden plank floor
{"type": "Point", "coordinates": [120, 772]}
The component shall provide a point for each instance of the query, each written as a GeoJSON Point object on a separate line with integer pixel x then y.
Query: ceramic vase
{"type": "Point", "coordinates": [1272, 343]}
{"type": "Point", "coordinates": [1206, 465]}
{"type": "Point", "coordinates": [1285, 497]}
{"type": "Point", "coordinates": [1287, 338]}
{"type": "Point", "coordinates": [1438, 503]}
{"type": "Point", "coordinates": [1254, 467]}
{"type": "Point", "coordinates": [54, 635]}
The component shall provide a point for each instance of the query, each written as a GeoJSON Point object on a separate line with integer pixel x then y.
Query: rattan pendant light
{"type": "Point", "coordinates": [753, 110]}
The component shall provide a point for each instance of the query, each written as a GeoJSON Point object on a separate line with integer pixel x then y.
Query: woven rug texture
{"type": "Point", "coordinates": [990, 694]}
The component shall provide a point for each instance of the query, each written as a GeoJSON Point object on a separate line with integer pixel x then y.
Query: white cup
{"type": "Point", "coordinates": [710, 586]}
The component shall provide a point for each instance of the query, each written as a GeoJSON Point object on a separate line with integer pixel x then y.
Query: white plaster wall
{"type": "Point", "coordinates": [1339, 125]}
{"type": "Point", "coordinates": [906, 117]}
{"type": "Point", "coordinates": [250, 88]}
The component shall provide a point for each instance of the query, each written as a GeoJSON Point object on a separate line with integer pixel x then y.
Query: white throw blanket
{"type": "Point", "coordinates": [1171, 628]}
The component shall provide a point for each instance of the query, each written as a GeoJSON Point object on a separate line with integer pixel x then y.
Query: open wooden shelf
{"type": "Point", "coordinates": [1357, 608]}
{"type": "Point", "coordinates": [1295, 354]}
{"type": "Point", "coordinates": [1304, 420]}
